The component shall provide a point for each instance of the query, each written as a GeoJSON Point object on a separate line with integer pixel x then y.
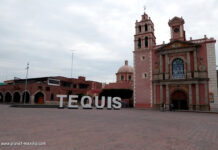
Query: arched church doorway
{"type": "Point", "coordinates": [179, 100]}
{"type": "Point", "coordinates": [39, 98]}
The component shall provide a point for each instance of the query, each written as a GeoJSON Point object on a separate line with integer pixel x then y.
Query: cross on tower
{"type": "Point", "coordinates": [144, 8]}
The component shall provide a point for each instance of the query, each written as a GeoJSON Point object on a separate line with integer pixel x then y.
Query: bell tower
{"type": "Point", "coordinates": [177, 29]}
{"type": "Point", "coordinates": [144, 37]}
{"type": "Point", "coordinates": [144, 40]}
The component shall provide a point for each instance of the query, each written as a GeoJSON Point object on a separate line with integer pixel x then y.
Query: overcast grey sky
{"type": "Point", "coordinates": [43, 32]}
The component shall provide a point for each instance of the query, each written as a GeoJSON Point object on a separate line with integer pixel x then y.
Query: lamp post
{"type": "Point", "coordinates": [27, 69]}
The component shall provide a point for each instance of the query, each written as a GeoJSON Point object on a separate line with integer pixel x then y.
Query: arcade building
{"type": "Point", "coordinates": [44, 90]}
{"type": "Point", "coordinates": [181, 72]}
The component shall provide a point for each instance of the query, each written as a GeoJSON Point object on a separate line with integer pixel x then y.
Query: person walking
{"type": "Point", "coordinates": [171, 108]}
{"type": "Point", "coordinates": [163, 107]}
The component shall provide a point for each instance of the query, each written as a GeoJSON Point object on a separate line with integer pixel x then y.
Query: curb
{"type": "Point", "coordinates": [211, 112]}
{"type": "Point", "coordinates": [33, 106]}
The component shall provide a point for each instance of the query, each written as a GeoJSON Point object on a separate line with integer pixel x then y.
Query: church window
{"type": "Point", "coordinates": [144, 75]}
{"type": "Point", "coordinates": [122, 78]}
{"type": "Point", "coordinates": [143, 58]}
{"type": "Point", "coordinates": [178, 69]}
{"type": "Point", "coordinates": [75, 86]}
{"type": "Point", "coordinates": [146, 41]}
{"type": "Point", "coordinates": [139, 43]}
{"type": "Point", "coordinates": [146, 27]}
{"type": "Point", "coordinates": [140, 28]}
{"type": "Point", "coordinates": [130, 77]}
{"type": "Point", "coordinates": [52, 96]}
{"type": "Point", "coordinates": [176, 30]}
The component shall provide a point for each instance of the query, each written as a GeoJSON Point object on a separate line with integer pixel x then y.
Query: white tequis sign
{"type": "Point", "coordinates": [86, 102]}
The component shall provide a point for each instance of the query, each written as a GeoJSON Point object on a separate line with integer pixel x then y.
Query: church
{"type": "Point", "coordinates": [123, 84]}
{"type": "Point", "coordinates": [181, 73]}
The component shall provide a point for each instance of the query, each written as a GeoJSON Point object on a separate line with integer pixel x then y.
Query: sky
{"type": "Point", "coordinates": [100, 34]}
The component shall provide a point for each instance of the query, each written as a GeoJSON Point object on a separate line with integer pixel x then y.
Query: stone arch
{"type": "Point", "coordinates": [1, 97]}
{"type": "Point", "coordinates": [26, 97]}
{"type": "Point", "coordinates": [174, 57]}
{"type": "Point", "coordinates": [8, 97]}
{"type": "Point", "coordinates": [16, 97]}
{"type": "Point", "coordinates": [39, 97]}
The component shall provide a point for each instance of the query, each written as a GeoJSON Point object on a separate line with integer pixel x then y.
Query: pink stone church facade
{"type": "Point", "coordinates": [181, 72]}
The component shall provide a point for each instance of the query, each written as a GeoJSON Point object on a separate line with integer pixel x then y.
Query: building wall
{"type": "Point", "coordinates": [211, 57]}
{"type": "Point", "coordinates": [143, 55]}
{"type": "Point", "coordinates": [125, 75]}
{"type": "Point", "coordinates": [197, 95]}
{"type": "Point", "coordinates": [35, 87]}
{"type": "Point", "coordinates": [199, 68]}
{"type": "Point", "coordinates": [143, 85]}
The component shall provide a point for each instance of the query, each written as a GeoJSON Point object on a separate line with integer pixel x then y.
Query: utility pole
{"type": "Point", "coordinates": [27, 69]}
{"type": "Point", "coordinates": [71, 73]}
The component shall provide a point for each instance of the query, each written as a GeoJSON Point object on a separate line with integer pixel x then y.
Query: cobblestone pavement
{"type": "Point", "coordinates": [126, 129]}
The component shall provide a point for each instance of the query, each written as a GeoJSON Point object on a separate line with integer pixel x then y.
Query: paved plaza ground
{"type": "Point", "coordinates": [126, 129]}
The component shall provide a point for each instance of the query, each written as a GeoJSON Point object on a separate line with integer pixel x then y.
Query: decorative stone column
{"type": "Point", "coordinates": [32, 99]}
{"type": "Point", "coordinates": [171, 32]}
{"type": "Point", "coordinates": [197, 96]}
{"type": "Point", "coordinates": [206, 93]}
{"type": "Point", "coordinates": [161, 68]}
{"type": "Point", "coordinates": [190, 97]}
{"type": "Point", "coordinates": [189, 74]}
{"type": "Point", "coordinates": [155, 102]}
{"type": "Point", "coordinates": [195, 64]}
{"type": "Point", "coordinates": [161, 95]}
{"type": "Point", "coordinates": [167, 97]}
{"type": "Point", "coordinates": [181, 33]}
{"type": "Point", "coordinates": [166, 67]}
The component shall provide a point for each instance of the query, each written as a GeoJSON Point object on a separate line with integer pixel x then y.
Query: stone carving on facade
{"type": "Point", "coordinates": [201, 68]}
{"type": "Point", "coordinates": [176, 45]}
{"type": "Point", "coordinates": [201, 65]}
{"type": "Point", "coordinates": [156, 68]}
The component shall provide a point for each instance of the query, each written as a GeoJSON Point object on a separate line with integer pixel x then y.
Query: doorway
{"type": "Point", "coordinates": [179, 100]}
{"type": "Point", "coordinates": [39, 98]}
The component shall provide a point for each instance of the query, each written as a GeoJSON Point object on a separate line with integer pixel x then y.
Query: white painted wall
{"type": "Point", "coordinates": [211, 57]}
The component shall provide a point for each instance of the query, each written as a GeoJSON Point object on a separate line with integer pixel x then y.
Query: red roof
{"type": "Point", "coordinates": [124, 85]}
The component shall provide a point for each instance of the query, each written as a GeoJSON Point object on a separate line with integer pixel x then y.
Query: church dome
{"type": "Point", "coordinates": [125, 68]}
